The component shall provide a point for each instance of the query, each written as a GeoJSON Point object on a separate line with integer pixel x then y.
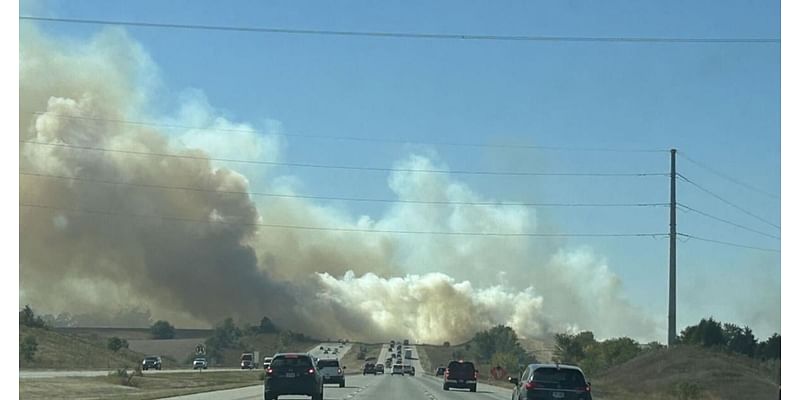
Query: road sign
{"type": "Point", "coordinates": [200, 349]}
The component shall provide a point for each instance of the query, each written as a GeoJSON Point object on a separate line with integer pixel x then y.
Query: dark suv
{"type": "Point", "coordinates": [151, 362]}
{"type": "Point", "coordinates": [293, 373]}
{"type": "Point", "coordinates": [369, 368]}
{"type": "Point", "coordinates": [460, 374]}
{"type": "Point", "coordinates": [551, 381]}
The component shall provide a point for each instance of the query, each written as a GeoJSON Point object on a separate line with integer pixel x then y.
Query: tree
{"type": "Point", "coordinates": [708, 333]}
{"type": "Point", "coordinates": [739, 340]}
{"type": "Point", "coordinates": [266, 326]}
{"type": "Point", "coordinates": [572, 348]}
{"type": "Point", "coordinates": [508, 361]}
{"type": "Point", "coordinates": [446, 344]}
{"type": "Point", "coordinates": [162, 330]}
{"type": "Point", "coordinates": [28, 318]}
{"type": "Point", "coordinates": [115, 343]}
{"type": "Point", "coordinates": [770, 349]}
{"type": "Point", "coordinates": [499, 339]}
{"type": "Point", "coordinates": [28, 347]}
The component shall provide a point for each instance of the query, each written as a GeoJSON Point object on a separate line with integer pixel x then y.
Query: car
{"type": "Point", "coordinates": [408, 370]}
{"type": "Point", "coordinates": [551, 381]}
{"type": "Point", "coordinates": [460, 374]}
{"type": "Point", "coordinates": [249, 360]}
{"type": "Point", "coordinates": [151, 362]}
{"type": "Point", "coordinates": [322, 347]}
{"type": "Point", "coordinates": [293, 373]}
{"type": "Point", "coordinates": [369, 368]}
{"type": "Point", "coordinates": [397, 369]}
{"type": "Point", "coordinates": [440, 371]}
{"type": "Point", "coordinates": [331, 371]}
{"type": "Point", "coordinates": [267, 362]}
{"type": "Point", "coordinates": [379, 369]}
{"type": "Point", "coordinates": [200, 363]}
{"type": "Point", "coordinates": [325, 352]}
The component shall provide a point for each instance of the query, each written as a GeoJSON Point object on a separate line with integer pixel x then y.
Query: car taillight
{"type": "Point", "coordinates": [586, 388]}
{"type": "Point", "coordinates": [269, 371]}
{"type": "Point", "coordinates": [476, 375]}
{"type": "Point", "coordinates": [446, 372]}
{"type": "Point", "coordinates": [530, 385]}
{"type": "Point", "coordinates": [311, 371]}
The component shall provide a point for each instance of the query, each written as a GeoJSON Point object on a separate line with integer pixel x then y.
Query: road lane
{"type": "Point", "coordinates": [355, 386]}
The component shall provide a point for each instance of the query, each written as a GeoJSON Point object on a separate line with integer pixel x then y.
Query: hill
{"type": "Point", "coordinates": [64, 351]}
{"type": "Point", "coordinates": [689, 372]}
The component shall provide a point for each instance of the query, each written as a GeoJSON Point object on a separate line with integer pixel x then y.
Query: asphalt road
{"type": "Point", "coordinates": [423, 387]}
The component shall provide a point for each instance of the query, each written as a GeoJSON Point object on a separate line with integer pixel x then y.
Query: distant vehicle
{"type": "Point", "coordinates": [552, 381]}
{"type": "Point", "coordinates": [331, 371]}
{"type": "Point", "coordinates": [151, 362]}
{"type": "Point", "coordinates": [249, 360]}
{"type": "Point", "coordinates": [200, 363]}
{"type": "Point", "coordinates": [397, 369]}
{"type": "Point", "coordinates": [408, 354]}
{"type": "Point", "coordinates": [460, 374]}
{"type": "Point", "coordinates": [391, 343]}
{"type": "Point", "coordinates": [398, 362]}
{"type": "Point", "coordinates": [293, 373]}
{"type": "Point", "coordinates": [379, 369]}
{"type": "Point", "coordinates": [325, 352]}
{"type": "Point", "coordinates": [369, 368]}
{"type": "Point", "coordinates": [322, 347]}
{"type": "Point", "coordinates": [267, 362]}
{"type": "Point", "coordinates": [408, 370]}
{"type": "Point", "coordinates": [405, 342]}
{"type": "Point", "coordinates": [440, 371]}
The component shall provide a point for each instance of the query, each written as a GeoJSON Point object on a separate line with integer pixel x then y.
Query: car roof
{"type": "Point", "coordinates": [291, 355]}
{"type": "Point", "coordinates": [557, 366]}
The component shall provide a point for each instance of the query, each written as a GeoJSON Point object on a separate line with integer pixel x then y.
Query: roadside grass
{"type": "Point", "coordinates": [267, 344]}
{"type": "Point", "coordinates": [433, 356]}
{"type": "Point", "coordinates": [141, 387]}
{"type": "Point", "coordinates": [63, 351]}
{"type": "Point", "coordinates": [351, 361]}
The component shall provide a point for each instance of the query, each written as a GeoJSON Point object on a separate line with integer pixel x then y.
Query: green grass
{"type": "Point", "coordinates": [63, 351]}
{"type": "Point", "coordinates": [143, 387]}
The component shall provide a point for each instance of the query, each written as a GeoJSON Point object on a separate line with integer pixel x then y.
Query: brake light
{"type": "Point", "coordinates": [530, 385]}
{"type": "Point", "coordinates": [476, 375]}
{"type": "Point", "coordinates": [311, 371]}
{"type": "Point", "coordinates": [446, 372]}
{"type": "Point", "coordinates": [269, 371]}
{"type": "Point", "coordinates": [586, 388]}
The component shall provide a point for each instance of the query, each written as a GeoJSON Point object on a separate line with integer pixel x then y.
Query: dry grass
{"type": "Point", "coordinates": [688, 372]}
{"type": "Point", "coordinates": [351, 361]}
{"type": "Point", "coordinates": [60, 351]}
{"type": "Point", "coordinates": [143, 388]}
{"type": "Point", "coordinates": [431, 357]}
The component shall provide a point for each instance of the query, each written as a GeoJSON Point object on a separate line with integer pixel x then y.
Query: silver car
{"type": "Point", "coordinates": [200, 363]}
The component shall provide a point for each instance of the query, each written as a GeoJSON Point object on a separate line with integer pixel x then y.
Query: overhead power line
{"type": "Point", "coordinates": [729, 243]}
{"type": "Point", "coordinates": [356, 138]}
{"type": "Point", "coordinates": [344, 167]}
{"type": "Point", "coordinates": [342, 229]}
{"type": "Point", "coordinates": [413, 35]}
{"type": "Point", "coordinates": [339, 198]}
{"type": "Point", "coordinates": [724, 200]}
{"type": "Point", "coordinates": [707, 215]}
{"type": "Point", "coordinates": [728, 177]}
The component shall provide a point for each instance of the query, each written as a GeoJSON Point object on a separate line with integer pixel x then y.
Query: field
{"type": "Point", "coordinates": [64, 351]}
{"type": "Point", "coordinates": [142, 388]}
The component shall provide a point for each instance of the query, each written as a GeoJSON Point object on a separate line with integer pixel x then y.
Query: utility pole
{"type": "Point", "coordinates": [671, 336]}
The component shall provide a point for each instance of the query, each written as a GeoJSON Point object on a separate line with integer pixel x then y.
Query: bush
{"type": "Point", "coordinates": [28, 347]}
{"type": "Point", "coordinates": [687, 391]}
{"type": "Point", "coordinates": [162, 330]}
{"type": "Point", "coordinates": [446, 344]}
{"type": "Point", "coordinates": [115, 344]}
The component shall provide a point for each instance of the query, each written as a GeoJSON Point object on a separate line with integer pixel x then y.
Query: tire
{"type": "Point", "coordinates": [445, 387]}
{"type": "Point", "coordinates": [341, 384]}
{"type": "Point", "coordinates": [269, 396]}
{"type": "Point", "coordinates": [473, 388]}
{"type": "Point", "coordinates": [317, 396]}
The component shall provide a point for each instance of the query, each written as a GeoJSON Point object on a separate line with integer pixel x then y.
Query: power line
{"type": "Point", "coordinates": [411, 35]}
{"type": "Point", "coordinates": [340, 229]}
{"type": "Point", "coordinates": [722, 199]}
{"type": "Point", "coordinates": [338, 198]}
{"type": "Point", "coordinates": [344, 167]}
{"type": "Point", "coordinates": [705, 214]}
{"type": "Point", "coordinates": [729, 243]}
{"type": "Point", "coordinates": [356, 138]}
{"type": "Point", "coordinates": [728, 177]}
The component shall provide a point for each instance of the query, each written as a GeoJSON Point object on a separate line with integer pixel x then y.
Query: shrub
{"type": "Point", "coordinates": [162, 330]}
{"type": "Point", "coordinates": [28, 318]}
{"type": "Point", "coordinates": [28, 347]}
{"type": "Point", "coordinates": [115, 343]}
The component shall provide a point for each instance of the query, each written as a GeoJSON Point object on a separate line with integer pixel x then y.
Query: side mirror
{"type": "Point", "coordinates": [588, 383]}
{"type": "Point", "coordinates": [513, 380]}
{"type": "Point", "coordinates": [344, 367]}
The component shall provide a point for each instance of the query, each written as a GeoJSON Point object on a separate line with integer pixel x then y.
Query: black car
{"type": "Point", "coordinates": [293, 373]}
{"type": "Point", "coordinates": [379, 369]}
{"type": "Point", "coordinates": [460, 374]}
{"type": "Point", "coordinates": [369, 368]}
{"type": "Point", "coordinates": [551, 381]}
{"type": "Point", "coordinates": [151, 362]}
{"type": "Point", "coordinates": [440, 371]}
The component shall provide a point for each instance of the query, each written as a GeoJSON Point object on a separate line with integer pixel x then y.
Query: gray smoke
{"type": "Point", "coordinates": [210, 259]}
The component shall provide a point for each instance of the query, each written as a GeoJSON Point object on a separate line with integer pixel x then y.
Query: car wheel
{"type": "Point", "coordinates": [317, 396]}
{"type": "Point", "coordinates": [473, 388]}
{"type": "Point", "coordinates": [341, 384]}
{"type": "Point", "coordinates": [269, 396]}
{"type": "Point", "coordinates": [445, 387]}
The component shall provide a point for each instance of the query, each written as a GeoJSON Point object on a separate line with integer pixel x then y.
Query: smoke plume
{"type": "Point", "coordinates": [195, 257]}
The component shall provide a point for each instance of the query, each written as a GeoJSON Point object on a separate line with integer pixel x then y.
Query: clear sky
{"type": "Point", "coordinates": [717, 103]}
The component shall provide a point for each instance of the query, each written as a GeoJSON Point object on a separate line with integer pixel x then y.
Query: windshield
{"type": "Point", "coordinates": [564, 377]}
{"type": "Point", "coordinates": [588, 184]}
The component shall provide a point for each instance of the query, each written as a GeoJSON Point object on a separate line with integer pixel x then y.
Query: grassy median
{"type": "Point", "coordinates": [152, 386]}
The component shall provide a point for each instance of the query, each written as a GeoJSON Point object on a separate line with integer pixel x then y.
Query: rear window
{"type": "Point", "coordinates": [327, 363]}
{"type": "Point", "coordinates": [299, 361]}
{"type": "Point", "coordinates": [151, 358]}
{"type": "Point", "coordinates": [459, 367]}
{"type": "Point", "coordinates": [564, 377]}
{"type": "Point", "coordinates": [247, 357]}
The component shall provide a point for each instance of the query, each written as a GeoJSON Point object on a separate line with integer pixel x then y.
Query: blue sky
{"type": "Point", "coordinates": [718, 103]}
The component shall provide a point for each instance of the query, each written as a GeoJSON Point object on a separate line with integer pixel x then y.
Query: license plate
{"type": "Point", "coordinates": [291, 375]}
{"type": "Point", "coordinates": [558, 395]}
{"type": "Point", "coordinates": [460, 381]}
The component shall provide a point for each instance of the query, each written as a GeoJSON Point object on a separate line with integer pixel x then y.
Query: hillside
{"type": "Point", "coordinates": [266, 344]}
{"type": "Point", "coordinates": [691, 372]}
{"type": "Point", "coordinates": [63, 351]}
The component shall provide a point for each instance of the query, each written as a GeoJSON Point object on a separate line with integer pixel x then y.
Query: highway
{"type": "Point", "coordinates": [421, 386]}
